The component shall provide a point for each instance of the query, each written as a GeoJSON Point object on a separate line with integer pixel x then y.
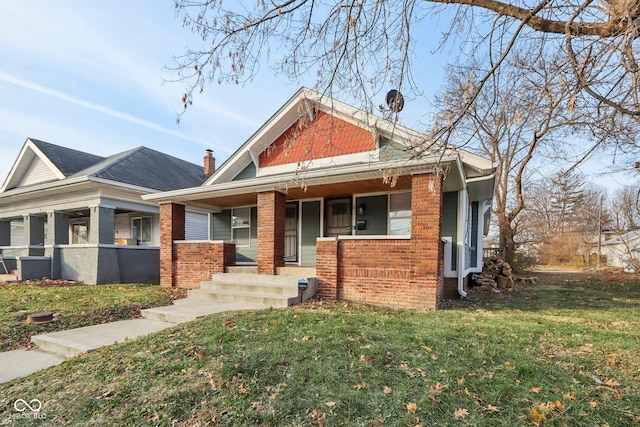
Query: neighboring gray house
{"type": "Point", "coordinates": [69, 214]}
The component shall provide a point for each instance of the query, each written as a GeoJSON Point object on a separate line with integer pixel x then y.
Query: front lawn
{"type": "Point", "coordinates": [74, 306]}
{"type": "Point", "coordinates": [564, 352]}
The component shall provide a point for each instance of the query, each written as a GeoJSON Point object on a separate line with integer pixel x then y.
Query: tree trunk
{"type": "Point", "coordinates": [507, 244]}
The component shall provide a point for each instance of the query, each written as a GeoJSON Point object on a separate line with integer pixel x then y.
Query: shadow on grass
{"type": "Point", "coordinates": [563, 291]}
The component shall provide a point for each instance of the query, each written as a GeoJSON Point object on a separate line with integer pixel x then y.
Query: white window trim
{"type": "Point", "coordinates": [78, 221]}
{"type": "Point", "coordinates": [247, 226]}
{"type": "Point", "coordinates": [142, 242]}
{"type": "Point", "coordinates": [389, 212]}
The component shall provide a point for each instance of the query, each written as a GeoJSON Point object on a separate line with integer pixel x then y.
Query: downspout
{"type": "Point", "coordinates": [461, 263]}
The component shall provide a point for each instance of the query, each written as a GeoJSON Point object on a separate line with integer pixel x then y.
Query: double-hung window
{"type": "Point", "coordinates": [400, 214]}
{"type": "Point", "coordinates": [241, 226]}
{"type": "Point", "coordinates": [141, 229]}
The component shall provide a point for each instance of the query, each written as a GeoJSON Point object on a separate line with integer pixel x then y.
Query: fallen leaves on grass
{"type": "Point", "coordinates": [540, 411]}
{"type": "Point", "coordinates": [411, 407]}
{"type": "Point", "coordinates": [460, 413]}
{"type": "Point", "coordinates": [436, 390]}
{"type": "Point", "coordinates": [490, 409]}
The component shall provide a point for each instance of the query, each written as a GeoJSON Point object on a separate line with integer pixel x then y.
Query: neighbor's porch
{"type": "Point", "coordinates": [99, 244]}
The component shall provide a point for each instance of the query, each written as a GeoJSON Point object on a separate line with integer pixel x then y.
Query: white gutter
{"type": "Point", "coordinates": [462, 214]}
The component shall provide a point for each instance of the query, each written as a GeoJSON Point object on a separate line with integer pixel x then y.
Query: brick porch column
{"type": "Point", "coordinates": [427, 269]}
{"type": "Point", "coordinates": [172, 220]}
{"type": "Point", "coordinates": [327, 267]}
{"type": "Point", "coordinates": [271, 219]}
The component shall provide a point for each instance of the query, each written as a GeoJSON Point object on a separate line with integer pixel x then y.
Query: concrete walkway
{"type": "Point", "coordinates": [56, 347]}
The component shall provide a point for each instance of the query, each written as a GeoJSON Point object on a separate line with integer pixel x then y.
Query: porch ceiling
{"type": "Point", "coordinates": [296, 192]}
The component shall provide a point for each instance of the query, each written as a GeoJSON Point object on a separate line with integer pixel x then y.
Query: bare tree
{"type": "Point", "coordinates": [364, 46]}
{"type": "Point", "coordinates": [625, 205]}
{"type": "Point", "coordinates": [522, 121]}
{"type": "Point", "coordinates": [565, 217]}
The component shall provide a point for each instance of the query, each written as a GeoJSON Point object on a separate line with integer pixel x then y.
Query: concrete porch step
{"type": "Point", "coordinates": [242, 298]}
{"type": "Point", "coordinates": [189, 309]}
{"type": "Point", "coordinates": [245, 269]}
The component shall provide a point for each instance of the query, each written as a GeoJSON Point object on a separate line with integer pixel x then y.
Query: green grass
{"type": "Point", "coordinates": [74, 306]}
{"type": "Point", "coordinates": [560, 353]}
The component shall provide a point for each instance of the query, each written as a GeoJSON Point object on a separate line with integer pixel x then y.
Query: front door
{"type": "Point", "coordinates": [338, 217]}
{"type": "Point", "coordinates": [291, 233]}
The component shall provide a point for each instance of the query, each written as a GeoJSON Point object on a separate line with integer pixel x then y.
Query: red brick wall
{"type": "Point", "coordinates": [324, 136]}
{"type": "Point", "coordinates": [271, 219]}
{"type": "Point", "coordinates": [427, 249]}
{"type": "Point", "coordinates": [197, 261]}
{"type": "Point", "coordinates": [172, 220]}
{"type": "Point", "coordinates": [327, 268]}
{"type": "Point", "coordinates": [395, 273]}
{"type": "Point", "coordinates": [376, 272]}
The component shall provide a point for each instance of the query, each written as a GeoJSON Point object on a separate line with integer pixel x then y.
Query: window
{"type": "Point", "coordinates": [240, 226]}
{"type": "Point", "coordinates": [400, 214]}
{"type": "Point", "coordinates": [79, 233]}
{"type": "Point", "coordinates": [141, 229]}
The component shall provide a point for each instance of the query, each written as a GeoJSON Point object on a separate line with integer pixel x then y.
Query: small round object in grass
{"type": "Point", "coordinates": [40, 318]}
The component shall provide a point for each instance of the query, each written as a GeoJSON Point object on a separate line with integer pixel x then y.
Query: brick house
{"type": "Point", "coordinates": [69, 214]}
{"type": "Point", "coordinates": [349, 195]}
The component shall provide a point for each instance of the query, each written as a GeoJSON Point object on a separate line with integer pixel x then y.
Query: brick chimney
{"type": "Point", "coordinates": [209, 163]}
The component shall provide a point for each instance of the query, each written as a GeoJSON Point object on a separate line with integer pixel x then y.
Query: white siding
{"type": "Point", "coordinates": [122, 226]}
{"type": "Point", "coordinates": [36, 172]}
{"type": "Point", "coordinates": [196, 226]}
{"type": "Point", "coordinates": [17, 233]}
{"type": "Point", "coordinates": [156, 230]}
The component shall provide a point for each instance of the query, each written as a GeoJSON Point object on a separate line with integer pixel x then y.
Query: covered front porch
{"type": "Point", "coordinates": [368, 240]}
{"type": "Point", "coordinates": [102, 243]}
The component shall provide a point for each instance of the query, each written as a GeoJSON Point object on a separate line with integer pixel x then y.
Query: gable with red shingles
{"type": "Point", "coordinates": [324, 136]}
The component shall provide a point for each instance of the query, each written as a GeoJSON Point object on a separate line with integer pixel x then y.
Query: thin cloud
{"type": "Point", "coordinates": [96, 107]}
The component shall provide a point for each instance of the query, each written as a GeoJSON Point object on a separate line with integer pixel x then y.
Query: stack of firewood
{"type": "Point", "coordinates": [496, 274]}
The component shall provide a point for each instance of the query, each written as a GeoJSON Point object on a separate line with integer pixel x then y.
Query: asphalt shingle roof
{"type": "Point", "coordinates": [141, 166]}
{"type": "Point", "coordinates": [148, 168]}
{"type": "Point", "coordinates": [67, 160]}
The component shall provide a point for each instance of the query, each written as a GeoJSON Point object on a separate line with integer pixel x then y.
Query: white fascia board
{"type": "Point", "coordinates": [321, 163]}
{"type": "Point", "coordinates": [314, 177]}
{"type": "Point", "coordinates": [46, 186]}
{"type": "Point", "coordinates": [478, 163]}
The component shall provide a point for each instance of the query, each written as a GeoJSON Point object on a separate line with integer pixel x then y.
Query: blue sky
{"type": "Point", "coordinates": [88, 75]}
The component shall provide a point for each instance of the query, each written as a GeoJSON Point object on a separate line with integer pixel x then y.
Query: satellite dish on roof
{"type": "Point", "coordinates": [395, 100]}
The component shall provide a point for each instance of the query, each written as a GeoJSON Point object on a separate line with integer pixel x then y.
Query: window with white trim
{"type": "Point", "coordinates": [400, 214]}
{"type": "Point", "coordinates": [79, 233]}
{"type": "Point", "coordinates": [141, 229]}
{"type": "Point", "coordinates": [241, 226]}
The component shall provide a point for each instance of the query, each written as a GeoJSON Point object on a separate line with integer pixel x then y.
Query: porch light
{"type": "Point", "coordinates": [361, 209]}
